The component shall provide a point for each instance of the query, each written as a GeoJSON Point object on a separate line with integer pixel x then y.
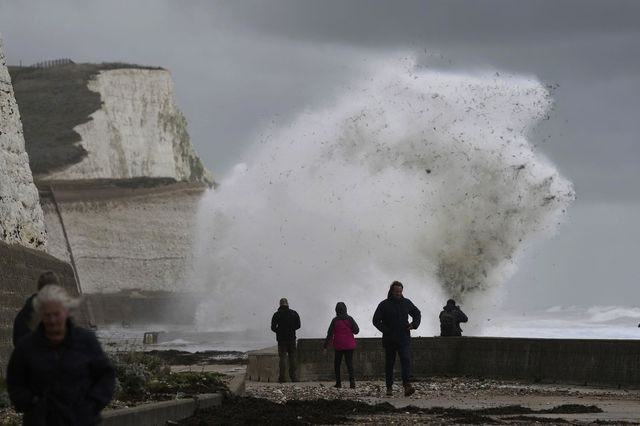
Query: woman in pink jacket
{"type": "Point", "coordinates": [341, 336]}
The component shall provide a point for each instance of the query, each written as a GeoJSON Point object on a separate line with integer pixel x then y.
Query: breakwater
{"type": "Point", "coordinates": [571, 361]}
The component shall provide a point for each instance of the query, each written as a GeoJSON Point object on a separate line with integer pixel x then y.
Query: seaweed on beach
{"type": "Point", "coordinates": [250, 410]}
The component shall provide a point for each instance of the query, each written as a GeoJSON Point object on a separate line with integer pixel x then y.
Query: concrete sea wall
{"type": "Point", "coordinates": [20, 268]}
{"type": "Point", "coordinates": [575, 361]}
{"type": "Point", "coordinates": [124, 238]}
{"type": "Point", "coordinates": [135, 308]}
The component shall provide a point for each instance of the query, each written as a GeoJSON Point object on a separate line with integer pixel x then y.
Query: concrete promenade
{"type": "Point", "coordinates": [618, 406]}
{"type": "Point", "coordinates": [473, 373]}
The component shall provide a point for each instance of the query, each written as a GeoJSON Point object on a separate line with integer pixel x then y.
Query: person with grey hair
{"type": "Point", "coordinates": [59, 374]}
{"type": "Point", "coordinates": [23, 321]}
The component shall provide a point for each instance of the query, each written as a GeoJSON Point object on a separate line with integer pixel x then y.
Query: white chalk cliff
{"type": "Point", "coordinates": [21, 218]}
{"type": "Point", "coordinates": [138, 132]}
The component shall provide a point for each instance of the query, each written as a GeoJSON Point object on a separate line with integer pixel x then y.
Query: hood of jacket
{"type": "Point", "coordinates": [341, 309]}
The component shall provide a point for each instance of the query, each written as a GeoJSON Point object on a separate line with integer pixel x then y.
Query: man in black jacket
{"type": "Point", "coordinates": [22, 322]}
{"type": "Point", "coordinates": [284, 323]}
{"type": "Point", "coordinates": [450, 319]}
{"type": "Point", "coordinates": [392, 319]}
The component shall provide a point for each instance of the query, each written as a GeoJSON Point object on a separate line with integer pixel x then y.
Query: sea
{"type": "Point", "coordinates": [558, 322]}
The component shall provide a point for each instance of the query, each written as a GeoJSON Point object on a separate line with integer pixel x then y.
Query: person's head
{"type": "Point", "coordinates": [284, 302]}
{"type": "Point", "coordinates": [450, 306]}
{"type": "Point", "coordinates": [341, 308]}
{"type": "Point", "coordinates": [46, 278]}
{"type": "Point", "coordinates": [52, 305]}
{"type": "Point", "coordinates": [395, 290]}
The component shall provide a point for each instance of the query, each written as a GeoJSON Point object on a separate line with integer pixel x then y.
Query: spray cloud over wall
{"type": "Point", "coordinates": [420, 176]}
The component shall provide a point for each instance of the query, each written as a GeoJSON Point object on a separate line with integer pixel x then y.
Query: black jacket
{"type": "Point", "coordinates": [23, 320]}
{"type": "Point", "coordinates": [391, 318]}
{"type": "Point", "coordinates": [60, 384]}
{"type": "Point", "coordinates": [284, 323]}
{"type": "Point", "coordinates": [450, 319]}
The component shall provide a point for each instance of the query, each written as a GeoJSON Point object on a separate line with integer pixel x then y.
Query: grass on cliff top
{"type": "Point", "coordinates": [52, 101]}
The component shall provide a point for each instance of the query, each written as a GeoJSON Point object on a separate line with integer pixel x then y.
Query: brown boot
{"type": "Point", "coordinates": [408, 390]}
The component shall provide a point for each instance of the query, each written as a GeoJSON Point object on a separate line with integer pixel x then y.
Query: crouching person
{"type": "Point", "coordinates": [59, 374]}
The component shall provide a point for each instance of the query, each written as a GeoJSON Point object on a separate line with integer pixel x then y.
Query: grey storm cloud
{"type": "Point", "coordinates": [242, 67]}
{"type": "Point", "coordinates": [239, 64]}
{"type": "Point", "coordinates": [376, 23]}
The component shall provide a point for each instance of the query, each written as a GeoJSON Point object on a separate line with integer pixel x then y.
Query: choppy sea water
{"type": "Point", "coordinates": [573, 322]}
{"type": "Point", "coordinates": [181, 338]}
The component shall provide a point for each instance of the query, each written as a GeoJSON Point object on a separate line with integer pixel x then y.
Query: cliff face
{"type": "Point", "coordinates": [21, 219]}
{"type": "Point", "coordinates": [22, 225]}
{"type": "Point", "coordinates": [137, 132]}
{"type": "Point", "coordinates": [109, 121]}
{"type": "Point", "coordinates": [116, 171]}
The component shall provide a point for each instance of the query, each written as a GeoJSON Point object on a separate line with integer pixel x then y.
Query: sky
{"type": "Point", "coordinates": [243, 67]}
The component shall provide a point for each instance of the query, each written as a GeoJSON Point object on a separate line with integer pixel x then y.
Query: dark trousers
{"type": "Point", "coordinates": [337, 361]}
{"type": "Point", "coordinates": [390, 359]}
{"type": "Point", "coordinates": [287, 352]}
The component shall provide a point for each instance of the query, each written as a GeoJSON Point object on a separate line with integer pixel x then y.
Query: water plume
{"type": "Point", "coordinates": [421, 176]}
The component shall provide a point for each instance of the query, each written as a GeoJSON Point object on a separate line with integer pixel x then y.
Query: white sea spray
{"type": "Point", "coordinates": [412, 175]}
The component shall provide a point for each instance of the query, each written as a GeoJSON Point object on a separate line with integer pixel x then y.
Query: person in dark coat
{"type": "Point", "coordinates": [284, 323]}
{"type": "Point", "coordinates": [23, 322]}
{"type": "Point", "coordinates": [450, 319]}
{"type": "Point", "coordinates": [59, 374]}
{"type": "Point", "coordinates": [341, 336]}
{"type": "Point", "coordinates": [392, 319]}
